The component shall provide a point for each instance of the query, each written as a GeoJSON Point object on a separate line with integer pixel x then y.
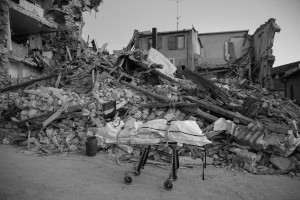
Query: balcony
{"type": "Point", "coordinates": [32, 8]}
{"type": "Point", "coordinates": [28, 18]}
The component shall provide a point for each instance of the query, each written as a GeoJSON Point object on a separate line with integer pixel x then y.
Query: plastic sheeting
{"type": "Point", "coordinates": [154, 132]}
{"type": "Point", "coordinates": [186, 132]}
{"type": "Point", "coordinates": [155, 56]}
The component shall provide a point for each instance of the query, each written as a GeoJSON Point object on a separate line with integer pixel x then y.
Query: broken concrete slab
{"type": "Point", "coordinates": [280, 162]}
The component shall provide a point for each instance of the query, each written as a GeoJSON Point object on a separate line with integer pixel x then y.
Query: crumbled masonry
{"type": "Point", "coordinates": [249, 127]}
{"type": "Point", "coordinates": [83, 91]}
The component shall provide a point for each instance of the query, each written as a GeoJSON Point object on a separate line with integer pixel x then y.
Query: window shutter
{"type": "Point", "coordinates": [149, 43]}
{"type": "Point", "coordinates": [172, 42]}
{"type": "Point", "coordinates": [159, 42]}
{"type": "Point", "coordinates": [180, 42]}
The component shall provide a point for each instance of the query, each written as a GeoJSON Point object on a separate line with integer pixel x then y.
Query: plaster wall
{"type": "Point", "coordinates": [213, 46]}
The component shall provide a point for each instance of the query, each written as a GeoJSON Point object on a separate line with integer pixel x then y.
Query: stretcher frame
{"type": "Point", "coordinates": [168, 184]}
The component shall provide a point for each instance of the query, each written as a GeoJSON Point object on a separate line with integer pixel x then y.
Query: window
{"type": "Point", "coordinates": [176, 42]}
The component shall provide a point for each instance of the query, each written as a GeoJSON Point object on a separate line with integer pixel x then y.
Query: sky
{"type": "Point", "coordinates": [116, 20]}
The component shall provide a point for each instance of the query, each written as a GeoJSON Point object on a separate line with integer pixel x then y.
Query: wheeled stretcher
{"type": "Point", "coordinates": [168, 184]}
{"type": "Point", "coordinates": [173, 134]}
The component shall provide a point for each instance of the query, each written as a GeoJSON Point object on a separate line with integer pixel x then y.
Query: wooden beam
{"type": "Point", "coordinates": [69, 53]}
{"type": "Point", "coordinates": [57, 81]}
{"type": "Point", "coordinates": [142, 90]}
{"type": "Point", "coordinates": [199, 113]}
{"type": "Point", "coordinates": [160, 105]}
{"type": "Point", "coordinates": [25, 84]}
{"type": "Point", "coordinates": [221, 111]}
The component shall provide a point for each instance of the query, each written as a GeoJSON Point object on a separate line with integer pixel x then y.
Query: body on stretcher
{"type": "Point", "coordinates": [156, 132]}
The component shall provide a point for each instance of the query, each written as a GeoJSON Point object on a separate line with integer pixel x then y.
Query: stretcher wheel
{"type": "Point", "coordinates": [137, 173]}
{"type": "Point", "coordinates": [168, 185]}
{"type": "Point", "coordinates": [128, 179]}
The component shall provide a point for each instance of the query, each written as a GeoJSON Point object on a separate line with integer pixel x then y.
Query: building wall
{"type": "Point", "coordinates": [18, 70]}
{"type": "Point", "coordinates": [4, 63]}
{"type": "Point", "coordinates": [294, 82]}
{"type": "Point", "coordinates": [213, 46]}
{"type": "Point", "coordinates": [14, 69]}
{"type": "Point", "coordinates": [195, 51]}
{"type": "Point", "coordinates": [29, 71]}
{"type": "Point", "coordinates": [263, 39]}
{"type": "Point", "coordinates": [240, 46]}
{"type": "Point", "coordinates": [278, 84]}
{"type": "Point", "coordinates": [19, 50]}
{"type": "Point", "coordinates": [180, 55]}
{"type": "Point", "coordinates": [183, 57]}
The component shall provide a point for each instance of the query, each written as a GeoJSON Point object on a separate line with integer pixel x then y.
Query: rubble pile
{"type": "Point", "coordinates": [250, 129]}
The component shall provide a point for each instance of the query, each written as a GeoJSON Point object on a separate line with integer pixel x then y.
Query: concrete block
{"type": "Point", "coordinates": [280, 162]}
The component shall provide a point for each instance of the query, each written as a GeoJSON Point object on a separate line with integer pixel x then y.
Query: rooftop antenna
{"type": "Point", "coordinates": [177, 17]}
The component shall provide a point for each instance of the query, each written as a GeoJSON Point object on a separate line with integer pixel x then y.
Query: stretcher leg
{"type": "Point", "coordinates": [168, 184]}
{"type": "Point", "coordinates": [204, 164]}
{"type": "Point", "coordinates": [142, 161]}
{"type": "Point", "coordinates": [175, 163]}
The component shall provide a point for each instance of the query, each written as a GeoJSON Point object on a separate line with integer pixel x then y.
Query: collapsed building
{"type": "Point", "coordinates": [229, 53]}
{"type": "Point", "coordinates": [85, 94]}
{"type": "Point", "coordinates": [34, 32]}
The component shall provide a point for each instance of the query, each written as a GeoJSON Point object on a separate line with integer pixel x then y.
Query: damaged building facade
{"type": "Point", "coordinates": [32, 32]}
{"type": "Point", "coordinates": [218, 49]}
{"type": "Point", "coordinates": [231, 53]}
{"type": "Point", "coordinates": [24, 23]}
{"type": "Point", "coordinates": [181, 47]}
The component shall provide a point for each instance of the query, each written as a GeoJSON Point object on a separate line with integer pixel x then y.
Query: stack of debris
{"type": "Point", "coordinates": [249, 128]}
